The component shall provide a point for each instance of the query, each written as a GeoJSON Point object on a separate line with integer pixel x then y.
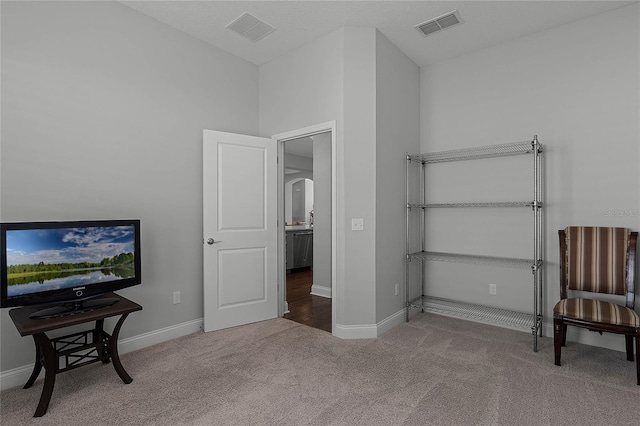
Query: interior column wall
{"type": "Point", "coordinates": [397, 133]}
{"type": "Point", "coordinates": [330, 79]}
{"type": "Point", "coordinates": [359, 182]}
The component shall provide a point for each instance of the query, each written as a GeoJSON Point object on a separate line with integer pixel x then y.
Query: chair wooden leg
{"type": "Point", "coordinates": [629, 342]}
{"type": "Point", "coordinates": [559, 329]}
{"type": "Point", "coordinates": [564, 334]}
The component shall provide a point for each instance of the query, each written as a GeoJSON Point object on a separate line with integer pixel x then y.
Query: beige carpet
{"type": "Point", "coordinates": [430, 371]}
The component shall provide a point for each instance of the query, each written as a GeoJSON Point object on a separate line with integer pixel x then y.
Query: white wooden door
{"type": "Point", "coordinates": [240, 229]}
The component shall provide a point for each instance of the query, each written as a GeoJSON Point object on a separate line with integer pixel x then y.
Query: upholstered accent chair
{"type": "Point", "coordinates": [597, 260]}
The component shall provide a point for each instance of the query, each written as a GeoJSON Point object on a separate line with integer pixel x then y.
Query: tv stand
{"type": "Point", "coordinates": [65, 353]}
{"type": "Point", "coordinates": [76, 307]}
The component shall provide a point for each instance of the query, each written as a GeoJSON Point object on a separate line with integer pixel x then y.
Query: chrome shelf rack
{"type": "Point", "coordinates": [490, 151]}
{"type": "Point", "coordinates": [493, 204]}
{"type": "Point", "coordinates": [508, 262]}
{"type": "Point", "coordinates": [471, 311]}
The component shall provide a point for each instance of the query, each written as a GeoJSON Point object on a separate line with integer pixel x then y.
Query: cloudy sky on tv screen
{"type": "Point", "coordinates": [49, 259]}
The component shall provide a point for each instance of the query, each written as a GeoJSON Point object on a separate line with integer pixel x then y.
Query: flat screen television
{"type": "Point", "coordinates": [68, 264]}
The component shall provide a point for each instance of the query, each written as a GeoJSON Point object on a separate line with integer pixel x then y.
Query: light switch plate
{"type": "Point", "coordinates": [357, 224]}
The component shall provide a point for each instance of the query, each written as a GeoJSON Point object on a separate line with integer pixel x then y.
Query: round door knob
{"type": "Point", "coordinates": [210, 241]}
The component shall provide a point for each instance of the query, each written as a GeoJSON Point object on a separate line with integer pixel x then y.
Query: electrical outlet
{"type": "Point", "coordinates": [397, 289]}
{"type": "Point", "coordinates": [176, 297]}
{"type": "Point", "coordinates": [492, 289]}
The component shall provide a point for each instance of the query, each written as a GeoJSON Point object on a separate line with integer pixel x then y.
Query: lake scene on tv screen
{"type": "Point", "coordinates": [52, 259]}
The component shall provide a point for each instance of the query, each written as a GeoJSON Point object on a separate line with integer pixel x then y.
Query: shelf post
{"type": "Point", "coordinates": [406, 257]}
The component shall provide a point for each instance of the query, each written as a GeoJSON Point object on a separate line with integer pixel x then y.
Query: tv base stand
{"type": "Point", "coordinates": [71, 351]}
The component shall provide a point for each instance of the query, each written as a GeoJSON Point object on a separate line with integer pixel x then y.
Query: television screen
{"type": "Point", "coordinates": [53, 262]}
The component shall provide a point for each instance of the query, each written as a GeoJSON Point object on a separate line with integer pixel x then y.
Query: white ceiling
{"type": "Point", "coordinates": [486, 23]}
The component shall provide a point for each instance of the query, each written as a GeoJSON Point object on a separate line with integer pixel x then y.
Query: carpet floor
{"type": "Point", "coordinates": [432, 370]}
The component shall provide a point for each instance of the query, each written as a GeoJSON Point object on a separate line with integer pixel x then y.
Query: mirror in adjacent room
{"type": "Point", "coordinates": [299, 202]}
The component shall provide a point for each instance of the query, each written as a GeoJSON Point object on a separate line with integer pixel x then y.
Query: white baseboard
{"type": "Point", "coordinates": [391, 321]}
{"type": "Point", "coordinates": [158, 336]}
{"type": "Point", "coordinates": [16, 377]}
{"type": "Point", "coordinates": [369, 331]}
{"type": "Point", "coordinates": [611, 341]}
{"type": "Point", "coordinates": [19, 376]}
{"type": "Point", "coordinates": [361, 331]}
{"type": "Point", "coordinates": [318, 290]}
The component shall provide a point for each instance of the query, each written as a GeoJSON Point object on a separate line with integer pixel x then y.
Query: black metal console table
{"type": "Point", "coordinates": [65, 353]}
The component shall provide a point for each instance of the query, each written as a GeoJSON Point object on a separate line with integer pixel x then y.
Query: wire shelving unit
{"type": "Point", "coordinates": [487, 314]}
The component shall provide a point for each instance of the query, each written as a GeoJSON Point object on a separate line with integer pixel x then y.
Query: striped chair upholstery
{"type": "Point", "coordinates": [597, 260]}
{"type": "Point", "coordinates": [597, 311]}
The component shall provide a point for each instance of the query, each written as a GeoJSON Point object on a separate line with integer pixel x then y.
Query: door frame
{"type": "Point", "coordinates": [329, 126]}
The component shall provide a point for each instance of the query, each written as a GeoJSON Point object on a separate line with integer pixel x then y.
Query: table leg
{"type": "Point", "coordinates": [50, 366]}
{"type": "Point", "coordinates": [37, 367]}
{"type": "Point", "coordinates": [113, 351]}
{"type": "Point", "coordinates": [98, 332]}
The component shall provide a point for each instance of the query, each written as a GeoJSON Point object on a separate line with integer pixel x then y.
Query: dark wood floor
{"type": "Point", "coordinates": [305, 308]}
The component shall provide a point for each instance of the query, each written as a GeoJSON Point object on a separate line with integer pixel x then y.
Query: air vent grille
{"type": "Point", "coordinates": [250, 27]}
{"type": "Point", "coordinates": [440, 23]}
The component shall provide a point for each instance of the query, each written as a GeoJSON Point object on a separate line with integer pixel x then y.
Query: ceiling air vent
{"type": "Point", "coordinates": [440, 23]}
{"type": "Point", "coordinates": [250, 27]}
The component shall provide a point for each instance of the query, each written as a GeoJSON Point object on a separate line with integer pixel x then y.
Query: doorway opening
{"type": "Point", "coordinates": [306, 210]}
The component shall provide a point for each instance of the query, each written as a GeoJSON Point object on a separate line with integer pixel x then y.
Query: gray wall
{"type": "Point", "coordinates": [358, 184]}
{"type": "Point", "coordinates": [397, 132]}
{"type": "Point", "coordinates": [322, 211]}
{"type": "Point", "coordinates": [102, 117]}
{"type": "Point", "coordinates": [577, 87]}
